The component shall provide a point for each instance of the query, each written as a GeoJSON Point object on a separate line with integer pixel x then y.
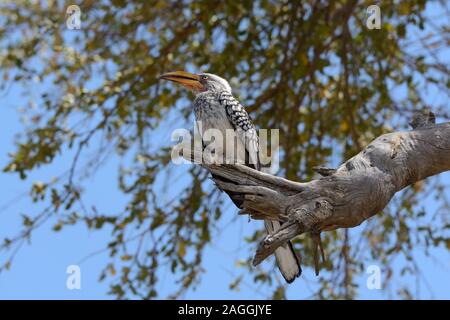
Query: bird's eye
{"type": "Point", "coordinates": [204, 77]}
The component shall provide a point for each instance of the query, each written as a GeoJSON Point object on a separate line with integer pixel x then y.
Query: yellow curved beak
{"type": "Point", "coordinates": [189, 80]}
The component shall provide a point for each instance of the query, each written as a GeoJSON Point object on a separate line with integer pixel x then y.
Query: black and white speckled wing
{"type": "Point", "coordinates": [243, 126]}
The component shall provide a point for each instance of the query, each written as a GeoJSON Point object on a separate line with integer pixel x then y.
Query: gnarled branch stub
{"type": "Point", "coordinates": [343, 198]}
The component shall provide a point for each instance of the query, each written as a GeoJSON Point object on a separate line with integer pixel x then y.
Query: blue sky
{"type": "Point", "coordinates": [39, 269]}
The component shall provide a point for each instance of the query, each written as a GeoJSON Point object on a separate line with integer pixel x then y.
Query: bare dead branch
{"type": "Point", "coordinates": [347, 196]}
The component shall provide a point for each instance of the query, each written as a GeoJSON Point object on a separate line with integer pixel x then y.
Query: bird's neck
{"type": "Point", "coordinates": [206, 94]}
{"type": "Point", "coordinates": [210, 93]}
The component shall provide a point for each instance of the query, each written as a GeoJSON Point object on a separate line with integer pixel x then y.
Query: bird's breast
{"type": "Point", "coordinates": [211, 114]}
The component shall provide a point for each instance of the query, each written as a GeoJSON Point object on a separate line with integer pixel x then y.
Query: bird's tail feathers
{"type": "Point", "coordinates": [287, 260]}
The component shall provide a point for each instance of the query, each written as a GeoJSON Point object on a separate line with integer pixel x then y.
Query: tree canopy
{"type": "Point", "coordinates": [312, 69]}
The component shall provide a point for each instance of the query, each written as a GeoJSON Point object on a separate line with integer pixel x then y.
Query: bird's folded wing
{"type": "Point", "coordinates": [244, 128]}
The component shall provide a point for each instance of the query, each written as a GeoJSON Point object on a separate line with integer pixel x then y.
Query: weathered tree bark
{"type": "Point", "coordinates": [347, 196]}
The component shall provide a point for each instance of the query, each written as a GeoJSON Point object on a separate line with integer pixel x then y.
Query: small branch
{"type": "Point", "coordinates": [254, 176]}
{"type": "Point", "coordinates": [422, 119]}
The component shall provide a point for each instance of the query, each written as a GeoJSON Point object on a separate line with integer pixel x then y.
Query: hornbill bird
{"type": "Point", "coordinates": [216, 108]}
